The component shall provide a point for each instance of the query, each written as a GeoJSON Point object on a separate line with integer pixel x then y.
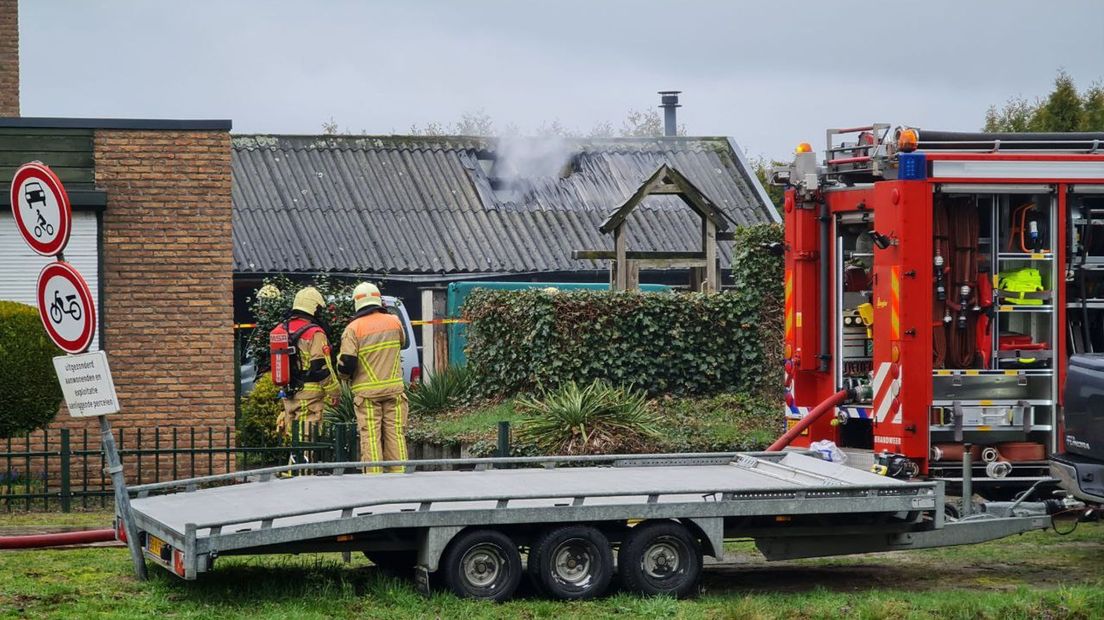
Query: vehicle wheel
{"type": "Point", "coordinates": [484, 565]}
{"type": "Point", "coordinates": [571, 563]}
{"type": "Point", "coordinates": [950, 510]}
{"type": "Point", "coordinates": [660, 558]}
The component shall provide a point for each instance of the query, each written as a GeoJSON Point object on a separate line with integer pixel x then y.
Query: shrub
{"type": "Point", "coordinates": [596, 419]}
{"type": "Point", "coordinates": [683, 344]}
{"type": "Point", "coordinates": [344, 412]}
{"type": "Point", "coordinates": [441, 391]}
{"type": "Point", "coordinates": [756, 270]}
{"type": "Point", "coordinates": [31, 392]}
{"type": "Point", "coordinates": [259, 413]}
{"type": "Point", "coordinates": [686, 344]}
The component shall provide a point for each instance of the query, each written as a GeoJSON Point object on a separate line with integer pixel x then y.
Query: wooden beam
{"type": "Point", "coordinates": [666, 188]}
{"type": "Point", "coordinates": [608, 255]}
{"type": "Point", "coordinates": [711, 284]}
{"type": "Point", "coordinates": [616, 218]}
{"type": "Point", "coordinates": [669, 263]}
{"type": "Point", "coordinates": [620, 245]}
{"type": "Point", "coordinates": [726, 236]}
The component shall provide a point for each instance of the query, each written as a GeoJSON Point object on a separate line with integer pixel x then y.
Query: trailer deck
{"type": "Point", "coordinates": [771, 497]}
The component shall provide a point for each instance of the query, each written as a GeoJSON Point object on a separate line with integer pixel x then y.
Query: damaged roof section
{"type": "Point", "coordinates": [459, 205]}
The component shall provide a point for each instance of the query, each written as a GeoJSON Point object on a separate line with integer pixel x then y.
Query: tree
{"type": "Point", "coordinates": [1092, 118]}
{"type": "Point", "coordinates": [1014, 116]}
{"type": "Point", "coordinates": [1063, 109]}
{"type": "Point", "coordinates": [762, 167]}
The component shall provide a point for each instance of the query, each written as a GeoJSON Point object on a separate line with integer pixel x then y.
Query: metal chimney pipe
{"type": "Point", "coordinates": [669, 101]}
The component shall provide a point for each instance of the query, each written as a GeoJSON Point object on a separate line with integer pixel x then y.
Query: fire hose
{"type": "Point", "coordinates": [818, 412]}
{"type": "Point", "coordinates": [39, 541]}
{"type": "Point", "coordinates": [955, 239]}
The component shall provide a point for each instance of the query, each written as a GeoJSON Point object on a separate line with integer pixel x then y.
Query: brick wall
{"type": "Point", "coordinates": [9, 57]}
{"type": "Point", "coordinates": [167, 279]}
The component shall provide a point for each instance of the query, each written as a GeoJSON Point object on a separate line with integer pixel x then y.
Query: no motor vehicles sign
{"type": "Point", "coordinates": [41, 208]}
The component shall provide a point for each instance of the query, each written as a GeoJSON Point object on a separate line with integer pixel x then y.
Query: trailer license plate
{"type": "Point", "coordinates": [154, 545]}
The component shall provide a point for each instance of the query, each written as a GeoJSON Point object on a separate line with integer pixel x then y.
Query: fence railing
{"type": "Point", "coordinates": [64, 468]}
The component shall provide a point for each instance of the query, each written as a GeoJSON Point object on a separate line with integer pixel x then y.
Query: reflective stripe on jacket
{"type": "Point", "coordinates": [313, 346]}
{"type": "Point", "coordinates": [376, 340]}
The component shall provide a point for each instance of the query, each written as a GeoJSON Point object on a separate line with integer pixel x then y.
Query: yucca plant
{"type": "Point", "coordinates": [343, 412]}
{"type": "Point", "coordinates": [596, 419]}
{"type": "Point", "coordinates": [442, 391]}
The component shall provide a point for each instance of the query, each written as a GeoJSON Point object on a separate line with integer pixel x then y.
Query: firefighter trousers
{"type": "Point", "coordinates": [304, 412]}
{"type": "Point", "coordinates": [381, 423]}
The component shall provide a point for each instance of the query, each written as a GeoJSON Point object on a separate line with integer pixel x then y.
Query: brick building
{"type": "Point", "coordinates": [152, 234]}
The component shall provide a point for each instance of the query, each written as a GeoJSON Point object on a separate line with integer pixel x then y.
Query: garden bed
{"type": "Point", "coordinates": [721, 423]}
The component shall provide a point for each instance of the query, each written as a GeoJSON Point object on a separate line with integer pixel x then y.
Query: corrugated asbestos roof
{"type": "Point", "coordinates": [450, 205]}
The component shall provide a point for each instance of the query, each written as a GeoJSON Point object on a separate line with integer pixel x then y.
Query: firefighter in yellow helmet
{"type": "Point", "coordinates": [313, 382]}
{"type": "Point", "coordinates": [370, 358]}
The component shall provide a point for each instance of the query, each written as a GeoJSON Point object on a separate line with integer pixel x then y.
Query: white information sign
{"type": "Point", "coordinates": [86, 383]}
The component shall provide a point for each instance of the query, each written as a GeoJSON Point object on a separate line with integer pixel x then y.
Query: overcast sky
{"type": "Point", "coordinates": [769, 73]}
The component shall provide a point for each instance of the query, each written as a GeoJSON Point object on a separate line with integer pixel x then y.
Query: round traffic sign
{"type": "Point", "coordinates": [41, 208]}
{"type": "Point", "coordinates": [65, 307]}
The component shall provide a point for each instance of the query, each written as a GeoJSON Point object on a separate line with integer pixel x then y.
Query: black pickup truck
{"type": "Point", "coordinates": [1081, 468]}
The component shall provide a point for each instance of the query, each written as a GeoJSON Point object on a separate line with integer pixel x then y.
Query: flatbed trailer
{"type": "Point", "coordinates": [470, 529]}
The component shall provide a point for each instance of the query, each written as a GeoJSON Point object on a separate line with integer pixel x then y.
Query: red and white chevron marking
{"type": "Point", "coordinates": [887, 390]}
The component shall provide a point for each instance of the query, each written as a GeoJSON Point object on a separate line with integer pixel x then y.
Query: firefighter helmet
{"type": "Point", "coordinates": [308, 300]}
{"type": "Point", "coordinates": [366, 294]}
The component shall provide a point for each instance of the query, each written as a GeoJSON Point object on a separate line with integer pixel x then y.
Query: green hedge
{"type": "Point", "coordinates": [687, 344]}
{"type": "Point", "coordinates": [30, 387]}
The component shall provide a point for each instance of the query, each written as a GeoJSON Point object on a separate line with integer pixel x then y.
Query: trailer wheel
{"type": "Point", "coordinates": [574, 562]}
{"type": "Point", "coordinates": [660, 558]}
{"type": "Point", "coordinates": [482, 564]}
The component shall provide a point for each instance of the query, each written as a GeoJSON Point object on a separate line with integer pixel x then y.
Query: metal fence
{"type": "Point", "coordinates": [64, 469]}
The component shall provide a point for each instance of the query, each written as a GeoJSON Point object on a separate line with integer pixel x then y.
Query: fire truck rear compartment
{"type": "Point", "coordinates": [994, 381]}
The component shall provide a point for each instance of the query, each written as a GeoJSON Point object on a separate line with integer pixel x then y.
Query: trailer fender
{"type": "Point", "coordinates": [432, 542]}
{"type": "Point", "coordinates": [710, 530]}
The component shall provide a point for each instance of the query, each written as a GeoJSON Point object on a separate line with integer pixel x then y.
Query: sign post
{"type": "Point", "coordinates": [42, 212]}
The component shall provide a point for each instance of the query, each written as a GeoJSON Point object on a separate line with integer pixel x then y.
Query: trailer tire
{"type": "Point", "coordinates": [483, 565]}
{"type": "Point", "coordinates": [660, 557]}
{"type": "Point", "coordinates": [573, 562]}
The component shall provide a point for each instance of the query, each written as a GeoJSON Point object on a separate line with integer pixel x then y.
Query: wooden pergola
{"type": "Point", "coordinates": [625, 265]}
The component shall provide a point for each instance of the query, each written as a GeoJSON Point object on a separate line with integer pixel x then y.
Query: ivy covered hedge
{"type": "Point", "coordinates": [30, 386]}
{"type": "Point", "coordinates": [685, 344]}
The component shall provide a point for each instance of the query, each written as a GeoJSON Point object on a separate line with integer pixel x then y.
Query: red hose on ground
{"type": "Point", "coordinates": [814, 415]}
{"type": "Point", "coordinates": [38, 541]}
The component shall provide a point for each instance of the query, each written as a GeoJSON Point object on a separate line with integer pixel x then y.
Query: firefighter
{"type": "Point", "coordinates": [313, 379]}
{"type": "Point", "coordinates": [371, 359]}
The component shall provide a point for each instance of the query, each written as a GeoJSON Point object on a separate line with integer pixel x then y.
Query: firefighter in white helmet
{"type": "Point", "coordinates": [371, 359]}
{"type": "Point", "coordinates": [313, 382]}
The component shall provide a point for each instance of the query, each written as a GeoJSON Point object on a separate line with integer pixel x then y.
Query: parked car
{"type": "Point", "coordinates": [412, 367]}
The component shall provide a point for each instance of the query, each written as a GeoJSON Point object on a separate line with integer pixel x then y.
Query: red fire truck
{"type": "Point", "coordinates": [936, 284]}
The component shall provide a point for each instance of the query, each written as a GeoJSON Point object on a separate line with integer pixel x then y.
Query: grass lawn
{"type": "Point", "coordinates": [721, 423]}
{"type": "Point", "coordinates": [1037, 575]}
